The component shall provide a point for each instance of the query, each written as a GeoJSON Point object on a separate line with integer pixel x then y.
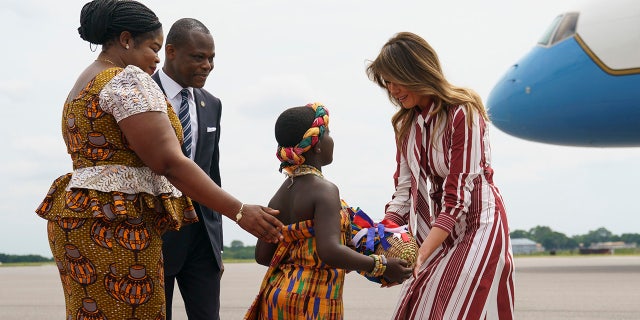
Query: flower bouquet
{"type": "Point", "coordinates": [384, 237]}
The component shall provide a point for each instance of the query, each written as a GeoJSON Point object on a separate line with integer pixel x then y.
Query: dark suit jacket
{"type": "Point", "coordinates": [207, 156]}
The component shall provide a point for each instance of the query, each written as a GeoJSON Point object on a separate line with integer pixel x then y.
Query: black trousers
{"type": "Point", "coordinates": [190, 262]}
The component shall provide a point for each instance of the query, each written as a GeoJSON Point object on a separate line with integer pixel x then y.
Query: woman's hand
{"type": "Point", "coordinates": [397, 270]}
{"type": "Point", "coordinates": [260, 222]}
{"type": "Point", "coordinates": [419, 261]}
{"type": "Point", "coordinates": [434, 239]}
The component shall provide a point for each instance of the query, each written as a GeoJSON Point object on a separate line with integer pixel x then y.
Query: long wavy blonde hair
{"type": "Point", "coordinates": [408, 60]}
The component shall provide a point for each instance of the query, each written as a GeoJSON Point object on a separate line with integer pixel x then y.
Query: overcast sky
{"type": "Point", "coordinates": [271, 55]}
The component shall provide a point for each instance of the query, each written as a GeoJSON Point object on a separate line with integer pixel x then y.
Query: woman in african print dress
{"type": "Point", "coordinates": [129, 177]}
{"type": "Point", "coordinates": [464, 268]}
{"type": "Point", "coordinates": [306, 270]}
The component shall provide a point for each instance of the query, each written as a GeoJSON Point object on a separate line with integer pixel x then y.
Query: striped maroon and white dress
{"type": "Point", "coordinates": [444, 179]}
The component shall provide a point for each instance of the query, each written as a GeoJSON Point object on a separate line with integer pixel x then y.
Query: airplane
{"type": "Point", "coordinates": [580, 85]}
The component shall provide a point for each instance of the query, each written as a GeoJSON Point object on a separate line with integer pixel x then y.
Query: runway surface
{"type": "Point", "coordinates": [589, 287]}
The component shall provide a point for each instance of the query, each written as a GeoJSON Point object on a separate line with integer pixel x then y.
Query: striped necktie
{"type": "Point", "coordinates": [185, 120]}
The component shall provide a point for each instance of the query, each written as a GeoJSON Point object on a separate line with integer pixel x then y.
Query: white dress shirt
{"type": "Point", "coordinates": [172, 90]}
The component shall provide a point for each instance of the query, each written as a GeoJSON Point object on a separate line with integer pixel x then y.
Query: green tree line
{"type": "Point", "coordinates": [237, 251]}
{"type": "Point", "coordinates": [553, 240]}
{"type": "Point", "coordinates": [548, 238]}
{"type": "Point", "coordinates": [13, 258]}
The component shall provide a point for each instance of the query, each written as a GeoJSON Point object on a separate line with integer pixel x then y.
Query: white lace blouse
{"type": "Point", "coordinates": [130, 92]}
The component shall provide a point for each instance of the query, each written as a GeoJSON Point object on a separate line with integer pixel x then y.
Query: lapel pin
{"type": "Point", "coordinates": [202, 104]}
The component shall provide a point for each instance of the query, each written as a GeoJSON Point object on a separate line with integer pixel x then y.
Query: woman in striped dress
{"type": "Point", "coordinates": [444, 190]}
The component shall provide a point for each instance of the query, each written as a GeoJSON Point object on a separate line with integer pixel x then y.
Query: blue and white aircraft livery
{"type": "Point", "coordinates": [580, 85]}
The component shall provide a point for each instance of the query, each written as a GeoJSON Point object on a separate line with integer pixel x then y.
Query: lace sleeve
{"type": "Point", "coordinates": [130, 92]}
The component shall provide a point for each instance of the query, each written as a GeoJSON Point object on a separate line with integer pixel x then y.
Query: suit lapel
{"type": "Point", "coordinates": [201, 107]}
{"type": "Point", "coordinates": [156, 77]}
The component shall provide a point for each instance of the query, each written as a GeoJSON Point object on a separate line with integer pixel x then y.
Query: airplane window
{"type": "Point", "coordinates": [546, 37]}
{"type": "Point", "coordinates": [562, 27]}
{"type": "Point", "coordinates": [567, 27]}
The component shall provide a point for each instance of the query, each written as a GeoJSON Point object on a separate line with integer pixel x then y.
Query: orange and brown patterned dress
{"type": "Point", "coordinates": [106, 217]}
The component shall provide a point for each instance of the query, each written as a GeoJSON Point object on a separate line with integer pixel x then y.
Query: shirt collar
{"type": "Point", "coordinates": [171, 87]}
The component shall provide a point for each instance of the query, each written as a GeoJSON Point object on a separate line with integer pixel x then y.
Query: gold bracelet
{"type": "Point", "coordinates": [239, 214]}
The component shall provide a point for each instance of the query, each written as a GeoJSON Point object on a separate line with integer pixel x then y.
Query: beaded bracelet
{"type": "Point", "coordinates": [383, 264]}
{"type": "Point", "coordinates": [380, 265]}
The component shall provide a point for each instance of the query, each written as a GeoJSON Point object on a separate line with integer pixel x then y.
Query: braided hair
{"type": "Point", "coordinates": [299, 129]}
{"type": "Point", "coordinates": [103, 20]}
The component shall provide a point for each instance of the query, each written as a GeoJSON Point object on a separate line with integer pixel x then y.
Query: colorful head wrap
{"type": "Point", "coordinates": [291, 157]}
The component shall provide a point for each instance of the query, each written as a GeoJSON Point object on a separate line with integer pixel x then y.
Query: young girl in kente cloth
{"type": "Point", "coordinates": [306, 270]}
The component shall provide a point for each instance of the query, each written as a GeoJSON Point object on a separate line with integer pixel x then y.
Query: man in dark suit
{"type": "Point", "coordinates": [192, 256]}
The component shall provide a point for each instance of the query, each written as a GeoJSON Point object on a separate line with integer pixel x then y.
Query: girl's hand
{"type": "Point", "coordinates": [397, 270]}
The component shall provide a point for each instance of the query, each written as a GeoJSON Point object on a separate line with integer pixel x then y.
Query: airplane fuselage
{"type": "Point", "coordinates": [576, 89]}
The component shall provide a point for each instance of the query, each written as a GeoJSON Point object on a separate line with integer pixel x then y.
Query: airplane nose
{"type": "Point", "coordinates": [498, 100]}
{"type": "Point", "coordinates": [508, 100]}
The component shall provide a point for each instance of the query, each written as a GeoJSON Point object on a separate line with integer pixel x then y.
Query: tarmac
{"type": "Point", "coordinates": [554, 287]}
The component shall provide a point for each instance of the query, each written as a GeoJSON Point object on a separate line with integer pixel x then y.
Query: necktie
{"type": "Point", "coordinates": [185, 120]}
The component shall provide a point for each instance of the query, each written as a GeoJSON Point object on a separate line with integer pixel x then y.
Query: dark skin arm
{"type": "Point", "coordinates": [264, 252]}
{"type": "Point", "coordinates": [319, 199]}
{"type": "Point", "coordinates": [161, 152]}
{"type": "Point", "coordinates": [327, 228]}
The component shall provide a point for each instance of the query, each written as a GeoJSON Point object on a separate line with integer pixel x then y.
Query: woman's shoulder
{"type": "Point", "coordinates": [131, 75]}
{"type": "Point", "coordinates": [458, 112]}
{"type": "Point", "coordinates": [132, 91]}
{"type": "Point", "coordinates": [455, 108]}
{"type": "Point", "coordinates": [91, 81]}
{"type": "Point", "coordinates": [465, 113]}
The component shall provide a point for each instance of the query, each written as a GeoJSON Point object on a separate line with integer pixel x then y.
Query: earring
{"type": "Point", "coordinates": [127, 46]}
